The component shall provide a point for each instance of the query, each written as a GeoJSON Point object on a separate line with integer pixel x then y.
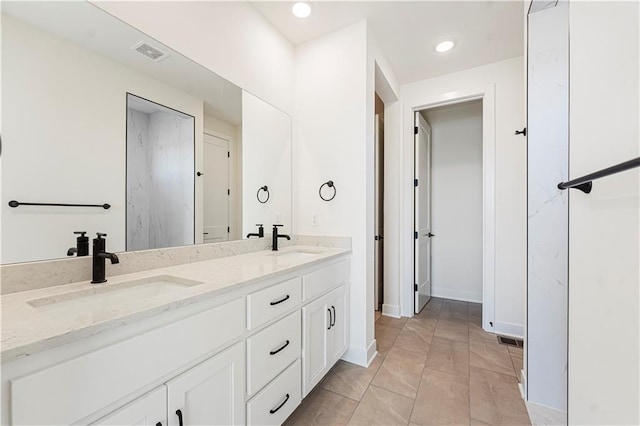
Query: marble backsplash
{"type": "Point", "coordinates": [33, 275]}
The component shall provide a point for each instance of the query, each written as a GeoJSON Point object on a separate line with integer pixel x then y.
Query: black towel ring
{"type": "Point", "coordinates": [265, 189]}
{"type": "Point", "coordinates": [330, 185]}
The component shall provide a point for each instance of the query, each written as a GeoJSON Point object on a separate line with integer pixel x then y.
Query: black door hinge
{"type": "Point", "coordinates": [228, 192]}
{"type": "Point", "coordinates": [228, 229]}
{"type": "Point", "coordinates": [415, 287]}
{"type": "Point", "coordinates": [415, 182]}
{"type": "Point", "coordinates": [415, 235]}
{"type": "Point", "coordinates": [228, 154]}
{"type": "Point", "coordinates": [415, 130]}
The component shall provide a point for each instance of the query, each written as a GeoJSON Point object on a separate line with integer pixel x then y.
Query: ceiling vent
{"type": "Point", "coordinates": [150, 52]}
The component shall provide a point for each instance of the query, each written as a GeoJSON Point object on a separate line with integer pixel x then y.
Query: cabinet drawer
{"type": "Point", "coordinates": [271, 350]}
{"type": "Point", "coordinates": [278, 400]}
{"type": "Point", "coordinates": [68, 392]}
{"type": "Point", "coordinates": [267, 304]}
{"type": "Point", "coordinates": [320, 281]}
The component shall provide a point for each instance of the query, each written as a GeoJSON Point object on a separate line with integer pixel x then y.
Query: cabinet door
{"type": "Point", "coordinates": [337, 335]}
{"type": "Point", "coordinates": [211, 393]}
{"type": "Point", "coordinates": [148, 410]}
{"type": "Point", "coordinates": [315, 322]}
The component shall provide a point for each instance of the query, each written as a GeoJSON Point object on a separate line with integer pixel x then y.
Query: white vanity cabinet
{"type": "Point", "coordinates": [246, 357]}
{"type": "Point", "coordinates": [211, 393]}
{"type": "Point", "coordinates": [325, 324]}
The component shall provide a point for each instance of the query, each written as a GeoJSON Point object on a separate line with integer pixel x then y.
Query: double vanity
{"type": "Point", "coordinates": [234, 340]}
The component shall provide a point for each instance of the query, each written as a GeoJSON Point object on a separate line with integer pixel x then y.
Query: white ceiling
{"type": "Point", "coordinates": [485, 31]}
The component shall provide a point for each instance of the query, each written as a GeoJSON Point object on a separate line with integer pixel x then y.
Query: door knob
{"type": "Point", "coordinates": [431, 235]}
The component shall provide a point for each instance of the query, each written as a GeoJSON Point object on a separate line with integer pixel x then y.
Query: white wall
{"type": "Point", "coordinates": [548, 209]}
{"type": "Point", "coordinates": [230, 38]}
{"type": "Point", "coordinates": [266, 161]}
{"type": "Point", "coordinates": [456, 201]}
{"type": "Point", "coordinates": [68, 126]}
{"type": "Point", "coordinates": [510, 178]}
{"type": "Point", "coordinates": [604, 226]}
{"type": "Point", "coordinates": [330, 129]}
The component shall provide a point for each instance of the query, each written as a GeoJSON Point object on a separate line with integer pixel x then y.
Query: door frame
{"type": "Point", "coordinates": [421, 102]}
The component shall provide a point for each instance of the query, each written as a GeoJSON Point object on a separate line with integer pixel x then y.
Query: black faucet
{"type": "Point", "coordinates": [260, 233]}
{"type": "Point", "coordinates": [99, 257]}
{"type": "Point", "coordinates": [82, 245]}
{"type": "Point", "coordinates": [274, 243]}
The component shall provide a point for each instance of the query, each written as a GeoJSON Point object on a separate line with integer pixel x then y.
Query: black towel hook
{"type": "Point", "coordinates": [265, 189]}
{"type": "Point", "coordinates": [329, 184]}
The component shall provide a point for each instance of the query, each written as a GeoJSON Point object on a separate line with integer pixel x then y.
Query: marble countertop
{"type": "Point", "coordinates": [37, 320]}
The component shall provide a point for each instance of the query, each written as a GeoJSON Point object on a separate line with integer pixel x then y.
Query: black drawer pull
{"type": "Point", "coordinates": [330, 319]}
{"type": "Point", "coordinates": [279, 349]}
{"type": "Point", "coordinates": [179, 414]}
{"type": "Point", "coordinates": [280, 301]}
{"type": "Point", "coordinates": [280, 406]}
{"type": "Point", "coordinates": [334, 315]}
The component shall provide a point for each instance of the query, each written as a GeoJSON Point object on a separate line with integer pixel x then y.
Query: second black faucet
{"type": "Point", "coordinates": [274, 242]}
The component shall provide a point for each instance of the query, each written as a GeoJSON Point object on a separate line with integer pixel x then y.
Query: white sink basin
{"type": "Point", "coordinates": [107, 296]}
{"type": "Point", "coordinates": [294, 255]}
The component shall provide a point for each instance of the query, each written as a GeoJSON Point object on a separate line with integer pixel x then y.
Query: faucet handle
{"type": "Point", "coordinates": [277, 225]}
{"type": "Point", "coordinates": [259, 224]}
{"type": "Point", "coordinates": [81, 233]}
{"type": "Point", "coordinates": [101, 234]}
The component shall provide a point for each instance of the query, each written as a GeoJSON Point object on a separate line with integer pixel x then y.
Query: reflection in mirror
{"type": "Point", "coordinates": [160, 176]}
{"type": "Point", "coordinates": [266, 162]}
{"type": "Point", "coordinates": [77, 129]}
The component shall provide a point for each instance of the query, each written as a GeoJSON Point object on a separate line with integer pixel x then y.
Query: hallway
{"type": "Point", "coordinates": [437, 368]}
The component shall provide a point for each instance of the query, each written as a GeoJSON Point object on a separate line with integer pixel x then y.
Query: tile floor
{"type": "Point", "coordinates": [437, 368]}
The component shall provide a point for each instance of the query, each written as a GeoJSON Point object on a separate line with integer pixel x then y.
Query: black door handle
{"type": "Point", "coordinates": [159, 424]}
{"type": "Point", "coordinates": [330, 319]}
{"type": "Point", "coordinates": [431, 235]}
{"type": "Point", "coordinates": [334, 315]}
{"type": "Point", "coordinates": [179, 414]}
{"type": "Point", "coordinates": [279, 349]}
{"type": "Point", "coordinates": [286, 398]}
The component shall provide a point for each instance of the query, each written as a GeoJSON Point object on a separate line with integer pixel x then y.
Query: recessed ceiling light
{"type": "Point", "coordinates": [445, 46]}
{"type": "Point", "coordinates": [301, 9]}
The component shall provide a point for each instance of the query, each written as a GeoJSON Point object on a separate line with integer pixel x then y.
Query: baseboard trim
{"type": "Point", "coordinates": [372, 352]}
{"type": "Point", "coordinates": [509, 329]}
{"type": "Point", "coordinates": [541, 415]}
{"type": "Point", "coordinates": [358, 356]}
{"type": "Point", "coordinates": [462, 295]}
{"type": "Point", "coordinates": [391, 311]}
{"type": "Point", "coordinates": [523, 385]}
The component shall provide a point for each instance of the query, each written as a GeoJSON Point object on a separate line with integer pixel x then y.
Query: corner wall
{"type": "Point", "coordinates": [604, 226]}
{"type": "Point", "coordinates": [330, 133]}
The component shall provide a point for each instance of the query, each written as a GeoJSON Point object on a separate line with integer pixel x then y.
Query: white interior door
{"type": "Point", "coordinates": [422, 214]}
{"type": "Point", "coordinates": [216, 189]}
{"type": "Point", "coordinates": [378, 215]}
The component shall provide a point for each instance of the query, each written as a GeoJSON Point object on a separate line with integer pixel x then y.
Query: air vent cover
{"type": "Point", "coordinates": [510, 341]}
{"type": "Point", "coordinates": [150, 52]}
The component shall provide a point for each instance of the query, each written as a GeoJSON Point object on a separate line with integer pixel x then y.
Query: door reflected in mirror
{"type": "Point", "coordinates": [97, 112]}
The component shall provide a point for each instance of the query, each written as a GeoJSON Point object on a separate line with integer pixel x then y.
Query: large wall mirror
{"type": "Point", "coordinates": [96, 112]}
